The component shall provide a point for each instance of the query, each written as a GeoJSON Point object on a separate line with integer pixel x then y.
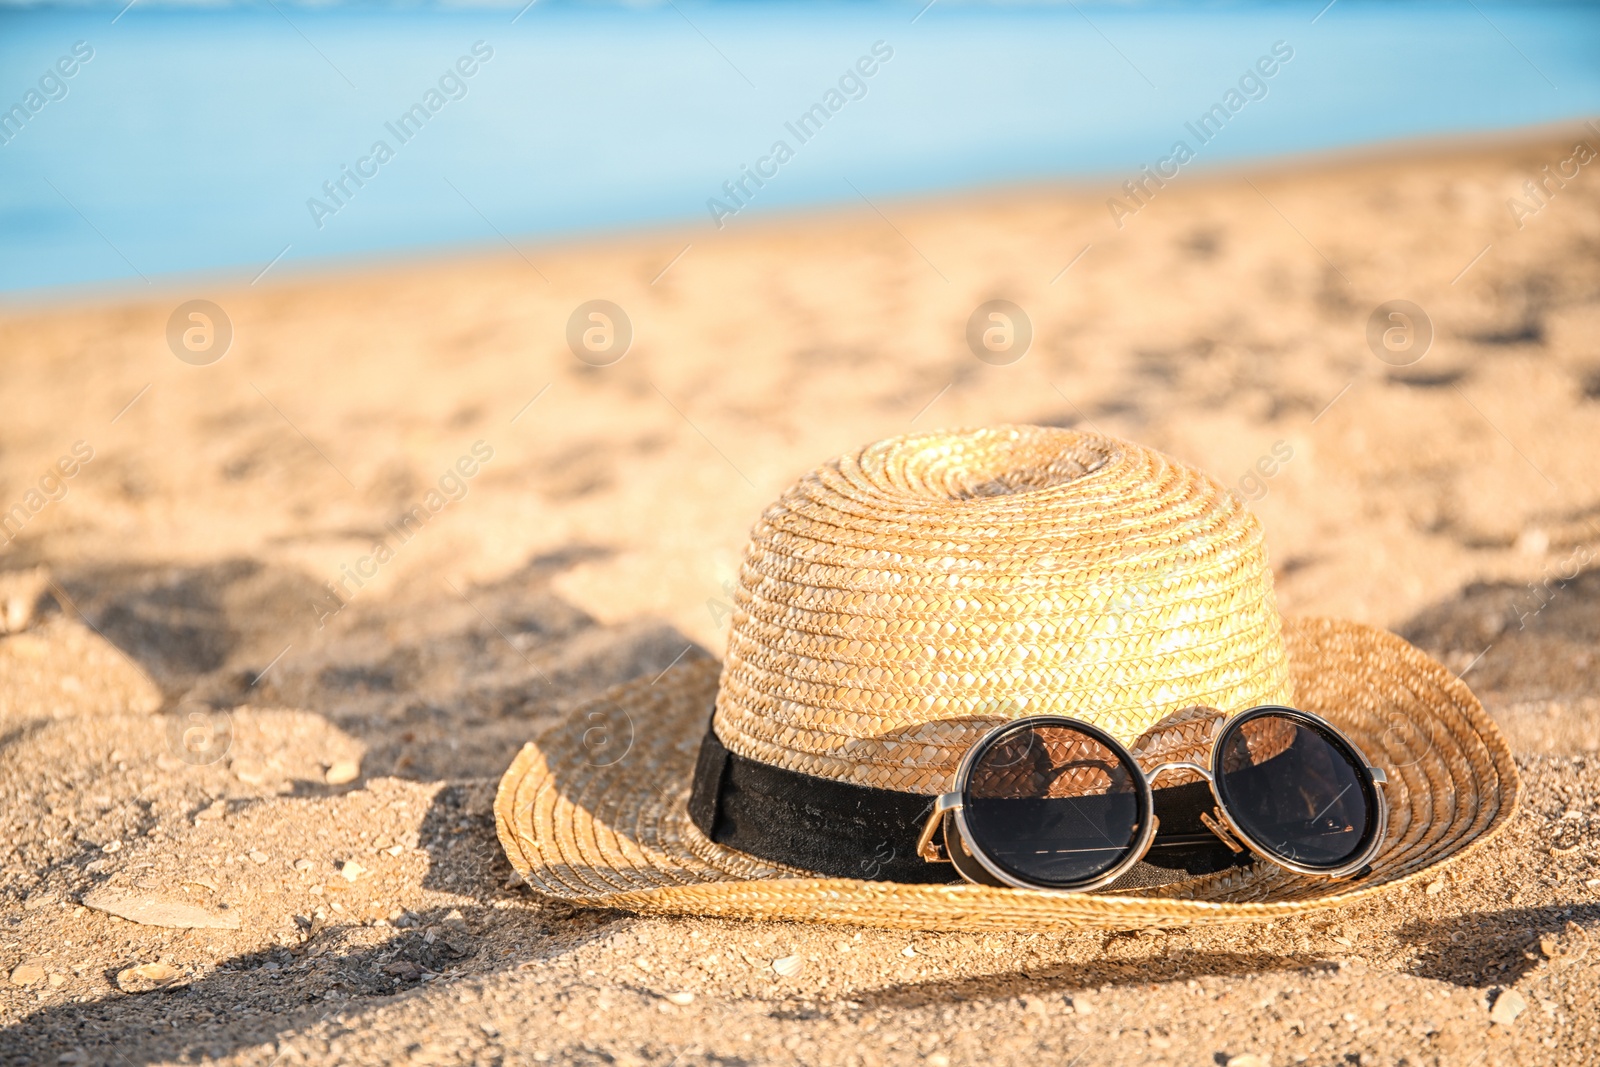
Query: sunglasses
{"type": "Point", "coordinates": [1049, 802]}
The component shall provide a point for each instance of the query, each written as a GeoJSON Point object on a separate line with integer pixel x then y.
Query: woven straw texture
{"type": "Point", "coordinates": [898, 602]}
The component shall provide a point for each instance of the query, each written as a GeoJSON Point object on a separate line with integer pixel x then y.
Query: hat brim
{"type": "Point", "coordinates": [594, 811]}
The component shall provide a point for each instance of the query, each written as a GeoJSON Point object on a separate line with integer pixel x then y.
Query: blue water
{"type": "Point", "coordinates": [193, 139]}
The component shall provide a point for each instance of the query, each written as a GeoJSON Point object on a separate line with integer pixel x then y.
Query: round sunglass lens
{"type": "Point", "coordinates": [1052, 806]}
{"type": "Point", "coordinates": [1297, 790]}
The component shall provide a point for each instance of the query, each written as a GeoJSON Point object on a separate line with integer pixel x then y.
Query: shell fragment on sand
{"type": "Point", "coordinates": [154, 911]}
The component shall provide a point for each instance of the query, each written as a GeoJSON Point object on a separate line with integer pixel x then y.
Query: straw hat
{"type": "Point", "coordinates": [900, 601]}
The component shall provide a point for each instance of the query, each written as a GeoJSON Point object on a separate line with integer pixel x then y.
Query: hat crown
{"type": "Point", "coordinates": [898, 602]}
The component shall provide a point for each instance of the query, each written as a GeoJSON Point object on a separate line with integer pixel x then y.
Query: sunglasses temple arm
{"type": "Point", "coordinates": [927, 847]}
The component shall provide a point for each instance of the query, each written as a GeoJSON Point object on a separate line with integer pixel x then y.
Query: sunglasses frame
{"type": "Point", "coordinates": [1228, 831]}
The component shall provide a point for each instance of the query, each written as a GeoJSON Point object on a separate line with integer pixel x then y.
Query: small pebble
{"type": "Point", "coordinates": [248, 771]}
{"type": "Point", "coordinates": [26, 974]}
{"type": "Point", "coordinates": [352, 870]}
{"type": "Point", "coordinates": [1533, 542]}
{"type": "Point", "coordinates": [20, 592]}
{"type": "Point", "coordinates": [1507, 1006]}
{"type": "Point", "coordinates": [404, 970]}
{"type": "Point", "coordinates": [908, 952]}
{"type": "Point", "coordinates": [1248, 1059]}
{"type": "Point", "coordinates": [257, 856]}
{"type": "Point", "coordinates": [148, 977]}
{"type": "Point", "coordinates": [151, 910]}
{"type": "Point", "coordinates": [680, 999]}
{"type": "Point", "coordinates": [343, 772]}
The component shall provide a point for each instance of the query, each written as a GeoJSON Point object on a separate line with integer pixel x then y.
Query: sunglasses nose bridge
{"type": "Point", "coordinates": [1178, 765]}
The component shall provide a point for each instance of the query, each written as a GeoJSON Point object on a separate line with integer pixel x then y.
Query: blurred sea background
{"type": "Point", "coordinates": [196, 137]}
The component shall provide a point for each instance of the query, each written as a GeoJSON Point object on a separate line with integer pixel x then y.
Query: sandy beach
{"type": "Point", "coordinates": [268, 647]}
